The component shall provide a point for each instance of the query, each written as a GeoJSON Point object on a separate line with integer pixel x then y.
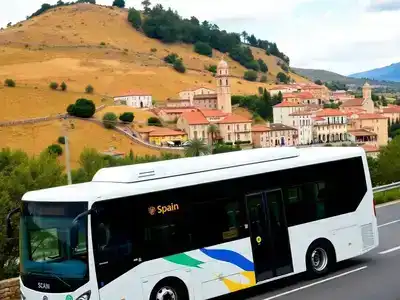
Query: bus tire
{"type": "Point", "coordinates": [170, 289]}
{"type": "Point", "coordinates": [320, 258]}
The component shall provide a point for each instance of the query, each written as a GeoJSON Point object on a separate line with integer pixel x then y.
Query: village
{"type": "Point", "coordinates": [299, 120]}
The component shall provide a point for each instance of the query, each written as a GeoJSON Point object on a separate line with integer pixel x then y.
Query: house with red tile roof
{"type": "Point", "coordinates": [135, 98]}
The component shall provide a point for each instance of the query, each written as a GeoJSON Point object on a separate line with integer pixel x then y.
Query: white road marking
{"type": "Point", "coordinates": [389, 223]}
{"type": "Point", "coordinates": [315, 283]}
{"type": "Point", "coordinates": [390, 250]}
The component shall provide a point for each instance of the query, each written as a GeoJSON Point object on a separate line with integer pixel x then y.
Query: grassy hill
{"type": "Point", "coordinates": [325, 76]}
{"type": "Point", "coordinates": [90, 44]}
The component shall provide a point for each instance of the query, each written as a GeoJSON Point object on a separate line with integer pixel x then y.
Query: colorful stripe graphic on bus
{"type": "Point", "coordinates": [224, 255]}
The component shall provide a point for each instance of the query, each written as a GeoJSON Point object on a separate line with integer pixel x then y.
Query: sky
{"type": "Point", "coordinates": [343, 36]}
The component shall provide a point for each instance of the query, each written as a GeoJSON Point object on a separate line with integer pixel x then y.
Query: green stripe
{"type": "Point", "coordinates": [185, 260]}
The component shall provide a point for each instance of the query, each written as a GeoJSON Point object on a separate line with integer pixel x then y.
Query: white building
{"type": "Point", "coordinates": [135, 99]}
{"type": "Point", "coordinates": [302, 120]}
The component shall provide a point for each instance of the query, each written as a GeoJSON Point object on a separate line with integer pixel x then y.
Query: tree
{"type": "Point", "coordinates": [61, 140]}
{"type": "Point", "coordinates": [263, 66]}
{"type": "Point", "coordinates": [263, 78]}
{"type": "Point", "coordinates": [212, 69]}
{"type": "Point", "coordinates": [153, 121]}
{"type": "Point", "coordinates": [134, 18]}
{"type": "Point", "coordinates": [9, 82]}
{"type": "Point", "coordinates": [146, 5]}
{"type": "Point", "coordinates": [245, 36]}
{"type": "Point", "coordinates": [119, 3]}
{"type": "Point", "coordinates": [203, 49]}
{"type": "Point", "coordinates": [282, 77]}
{"type": "Point", "coordinates": [83, 108]}
{"type": "Point", "coordinates": [388, 169]}
{"type": "Point", "coordinates": [89, 89]}
{"type": "Point", "coordinates": [319, 82]}
{"type": "Point", "coordinates": [110, 120]}
{"type": "Point", "coordinates": [63, 86]}
{"type": "Point", "coordinates": [171, 58]}
{"type": "Point", "coordinates": [384, 101]}
{"type": "Point", "coordinates": [212, 131]}
{"type": "Point", "coordinates": [196, 147]}
{"type": "Point", "coordinates": [250, 75]}
{"type": "Point", "coordinates": [55, 149]}
{"type": "Point", "coordinates": [127, 117]}
{"type": "Point", "coordinates": [179, 66]}
{"type": "Point", "coordinates": [53, 85]}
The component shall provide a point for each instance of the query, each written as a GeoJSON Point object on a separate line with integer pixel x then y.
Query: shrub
{"type": "Point", "coordinates": [61, 140]}
{"type": "Point", "coordinates": [110, 120]}
{"type": "Point", "coordinates": [127, 117]}
{"type": "Point", "coordinates": [63, 86]}
{"type": "Point", "coordinates": [153, 50]}
{"type": "Point", "coordinates": [383, 197]}
{"type": "Point", "coordinates": [83, 108]}
{"type": "Point", "coordinates": [263, 78]}
{"type": "Point", "coordinates": [9, 83]}
{"type": "Point", "coordinates": [285, 68]}
{"type": "Point", "coordinates": [211, 68]}
{"type": "Point", "coordinates": [171, 58]}
{"type": "Point", "coordinates": [55, 149]}
{"type": "Point", "coordinates": [153, 121]}
{"type": "Point", "coordinates": [102, 44]}
{"type": "Point", "coordinates": [89, 89]}
{"type": "Point", "coordinates": [53, 85]}
{"type": "Point", "coordinates": [263, 66]}
{"type": "Point", "coordinates": [282, 77]}
{"type": "Point", "coordinates": [203, 49]}
{"type": "Point", "coordinates": [179, 66]}
{"type": "Point", "coordinates": [134, 18]}
{"type": "Point", "coordinates": [250, 75]}
{"type": "Point", "coordinates": [252, 65]}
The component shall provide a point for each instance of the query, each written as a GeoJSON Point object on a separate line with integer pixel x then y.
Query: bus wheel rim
{"type": "Point", "coordinates": [319, 259]}
{"type": "Point", "coordinates": [166, 293]}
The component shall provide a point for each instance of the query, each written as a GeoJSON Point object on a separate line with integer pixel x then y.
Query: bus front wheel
{"type": "Point", "coordinates": [170, 289]}
{"type": "Point", "coordinates": [320, 258]}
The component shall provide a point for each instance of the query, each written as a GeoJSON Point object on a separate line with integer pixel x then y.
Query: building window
{"type": "Point", "coordinates": [245, 126]}
{"type": "Point", "coordinates": [237, 127]}
{"type": "Point", "coordinates": [229, 127]}
{"type": "Point", "coordinates": [204, 134]}
{"type": "Point", "coordinates": [229, 136]}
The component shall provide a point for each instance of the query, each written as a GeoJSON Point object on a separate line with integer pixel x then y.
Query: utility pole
{"type": "Point", "coordinates": [67, 159]}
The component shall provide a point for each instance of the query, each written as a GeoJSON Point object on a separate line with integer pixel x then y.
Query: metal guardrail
{"type": "Point", "coordinates": [387, 187]}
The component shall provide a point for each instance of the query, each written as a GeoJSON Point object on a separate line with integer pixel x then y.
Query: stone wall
{"type": "Point", "coordinates": [9, 289]}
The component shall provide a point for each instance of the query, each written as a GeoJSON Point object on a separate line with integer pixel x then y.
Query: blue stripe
{"type": "Point", "coordinates": [230, 257]}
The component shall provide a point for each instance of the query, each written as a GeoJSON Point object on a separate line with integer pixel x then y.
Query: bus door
{"type": "Point", "coordinates": [269, 235]}
{"type": "Point", "coordinates": [259, 236]}
{"type": "Point", "coordinates": [279, 234]}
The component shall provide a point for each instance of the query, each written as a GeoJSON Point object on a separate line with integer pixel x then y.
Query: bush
{"type": "Point", "coordinates": [250, 75]}
{"type": "Point", "coordinates": [203, 49]}
{"type": "Point", "coordinates": [153, 50]}
{"type": "Point", "coordinates": [119, 3]}
{"type": "Point", "coordinates": [179, 66]}
{"type": "Point", "coordinates": [127, 117]}
{"type": "Point", "coordinates": [110, 120]}
{"type": "Point", "coordinates": [171, 58]}
{"type": "Point", "coordinates": [252, 65]}
{"type": "Point", "coordinates": [61, 140]}
{"type": "Point", "coordinates": [282, 77]}
{"type": "Point", "coordinates": [153, 121]}
{"type": "Point", "coordinates": [263, 66]}
{"type": "Point", "coordinates": [89, 89]}
{"type": "Point", "coordinates": [53, 85]}
{"type": "Point", "coordinates": [55, 149]}
{"type": "Point", "coordinates": [263, 78]}
{"type": "Point", "coordinates": [212, 69]}
{"type": "Point", "coordinates": [285, 68]}
{"type": "Point", "coordinates": [135, 19]}
{"type": "Point", "coordinates": [83, 108]}
{"type": "Point", "coordinates": [9, 83]}
{"type": "Point", "coordinates": [63, 86]}
{"type": "Point", "coordinates": [102, 44]}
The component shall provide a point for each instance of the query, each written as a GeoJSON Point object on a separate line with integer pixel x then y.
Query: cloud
{"type": "Point", "coordinates": [384, 5]}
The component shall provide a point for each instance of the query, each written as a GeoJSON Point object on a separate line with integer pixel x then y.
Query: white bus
{"type": "Point", "coordinates": [197, 228]}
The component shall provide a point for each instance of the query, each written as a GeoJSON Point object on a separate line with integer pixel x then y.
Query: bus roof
{"type": "Point", "coordinates": [137, 179]}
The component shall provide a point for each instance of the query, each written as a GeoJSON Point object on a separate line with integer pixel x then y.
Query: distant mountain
{"type": "Point", "coordinates": [325, 76]}
{"type": "Point", "coordinates": [389, 73]}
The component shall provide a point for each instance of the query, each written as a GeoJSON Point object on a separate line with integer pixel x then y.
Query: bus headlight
{"type": "Point", "coordinates": [85, 296]}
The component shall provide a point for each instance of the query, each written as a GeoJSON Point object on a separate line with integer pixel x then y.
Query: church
{"type": "Point", "coordinates": [214, 108]}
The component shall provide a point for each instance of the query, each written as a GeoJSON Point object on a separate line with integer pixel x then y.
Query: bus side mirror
{"type": "Point", "coordinates": [9, 229]}
{"type": "Point", "coordinates": [75, 228]}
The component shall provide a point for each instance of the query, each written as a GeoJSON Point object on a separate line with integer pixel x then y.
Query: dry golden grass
{"type": "Point", "coordinates": [34, 138]}
{"type": "Point", "coordinates": [26, 102]}
{"type": "Point", "coordinates": [141, 116]}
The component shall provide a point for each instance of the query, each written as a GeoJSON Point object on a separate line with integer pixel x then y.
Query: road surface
{"type": "Point", "coordinates": [373, 276]}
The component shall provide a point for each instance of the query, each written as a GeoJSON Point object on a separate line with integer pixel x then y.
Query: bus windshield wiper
{"type": "Point", "coordinates": [52, 275]}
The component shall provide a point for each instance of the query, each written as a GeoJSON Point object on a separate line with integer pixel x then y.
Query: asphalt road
{"type": "Point", "coordinates": [373, 276]}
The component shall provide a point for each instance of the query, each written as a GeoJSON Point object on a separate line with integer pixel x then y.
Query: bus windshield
{"type": "Point", "coordinates": [47, 249]}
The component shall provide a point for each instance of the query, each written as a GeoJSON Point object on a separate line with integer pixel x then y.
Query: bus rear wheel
{"type": "Point", "coordinates": [319, 259]}
{"type": "Point", "coordinates": [170, 290]}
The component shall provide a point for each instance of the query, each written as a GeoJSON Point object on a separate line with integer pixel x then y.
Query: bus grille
{"type": "Point", "coordinates": [367, 236]}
